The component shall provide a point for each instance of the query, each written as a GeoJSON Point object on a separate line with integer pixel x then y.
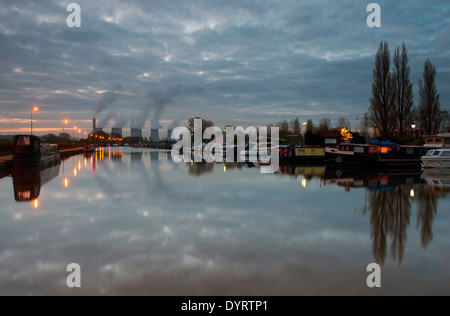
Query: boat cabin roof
{"type": "Point", "coordinates": [439, 152]}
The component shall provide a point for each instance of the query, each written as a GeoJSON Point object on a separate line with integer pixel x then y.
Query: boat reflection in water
{"type": "Point", "coordinates": [390, 199]}
{"type": "Point", "coordinates": [28, 182]}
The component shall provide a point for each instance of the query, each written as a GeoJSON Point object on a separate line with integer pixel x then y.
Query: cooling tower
{"type": "Point", "coordinates": [117, 131]}
{"type": "Point", "coordinates": [135, 132]}
{"type": "Point", "coordinates": [155, 136]}
{"type": "Point", "coordinates": [169, 134]}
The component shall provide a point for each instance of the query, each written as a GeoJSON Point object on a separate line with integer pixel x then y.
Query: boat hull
{"type": "Point", "coordinates": [436, 163]}
{"type": "Point", "coordinates": [43, 163]}
{"type": "Point", "coordinates": [374, 157]}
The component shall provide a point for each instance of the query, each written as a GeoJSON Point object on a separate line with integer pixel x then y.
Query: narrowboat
{"type": "Point", "coordinates": [437, 158]}
{"type": "Point", "coordinates": [378, 154]}
{"type": "Point", "coordinates": [438, 141]}
{"type": "Point", "coordinates": [28, 183]}
{"type": "Point", "coordinates": [308, 171]}
{"type": "Point", "coordinates": [303, 155]}
{"type": "Point", "coordinates": [30, 153]}
{"type": "Point", "coordinates": [353, 179]}
{"type": "Point", "coordinates": [88, 149]}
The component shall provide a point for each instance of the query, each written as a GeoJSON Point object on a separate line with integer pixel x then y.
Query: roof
{"type": "Point", "coordinates": [334, 134]}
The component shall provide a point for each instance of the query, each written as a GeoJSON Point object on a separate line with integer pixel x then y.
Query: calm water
{"type": "Point", "coordinates": [138, 223]}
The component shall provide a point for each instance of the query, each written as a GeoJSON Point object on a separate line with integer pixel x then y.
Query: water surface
{"type": "Point", "coordinates": [137, 223]}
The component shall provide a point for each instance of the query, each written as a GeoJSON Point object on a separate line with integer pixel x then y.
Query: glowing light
{"type": "Point", "coordinates": [36, 204]}
{"type": "Point", "coordinates": [304, 183]}
{"type": "Point", "coordinates": [75, 172]}
{"type": "Point", "coordinates": [412, 193]}
{"type": "Point", "coordinates": [225, 169]}
{"type": "Point", "coordinates": [79, 165]}
{"type": "Point", "coordinates": [66, 183]}
{"type": "Point", "coordinates": [35, 109]}
{"type": "Point", "coordinates": [346, 135]}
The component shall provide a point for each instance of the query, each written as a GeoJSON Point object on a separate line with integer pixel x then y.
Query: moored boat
{"type": "Point", "coordinates": [305, 155]}
{"type": "Point", "coordinates": [89, 149]}
{"type": "Point", "coordinates": [30, 153]}
{"type": "Point", "coordinates": [438, 141]}
{"type": "Point", "coordinates": [437, 158]}
{"type": "Point", "coordinates": [379, 154]}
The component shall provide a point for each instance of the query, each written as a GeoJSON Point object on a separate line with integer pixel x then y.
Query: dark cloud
{"type": "Point", "coordinates": [253, 61]}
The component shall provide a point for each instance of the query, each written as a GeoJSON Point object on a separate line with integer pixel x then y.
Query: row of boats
{"type": "Point", "coordinates": [28, 151]}
{"type": "Point", "coordinates": [378, 155]}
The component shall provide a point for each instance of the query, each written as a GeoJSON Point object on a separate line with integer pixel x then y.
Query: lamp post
{"type": "Point", "coordinates": [33, 110]}
{"type": "Point", "coordinates": [413, 126]}
{"type": "Point", "coordinates": [73, 133]}
{"type": "Point", "coordinates": [78, 135]}
{"type": "Point", "coordinates": [64, 124]}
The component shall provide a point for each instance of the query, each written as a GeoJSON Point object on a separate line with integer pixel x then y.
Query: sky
{"type": "Point", "coordinates": [154, 64]}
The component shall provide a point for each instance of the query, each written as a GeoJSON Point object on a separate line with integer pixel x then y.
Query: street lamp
{"type": "Point", "coordinates": [33, 110]}
{"type": "Point", "coordinates": [413, 126]}
{"type": "Point", "coordinates": [64, 124]}
{"type": "Point", "coordinates": [73, 134]}
{"type": "Point", "coordinates": [78, 134]}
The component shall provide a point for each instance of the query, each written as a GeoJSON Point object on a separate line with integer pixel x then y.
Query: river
{"type": "Point", "coordinates": [138, 223]}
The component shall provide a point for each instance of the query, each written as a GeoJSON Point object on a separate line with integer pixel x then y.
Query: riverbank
{"type": "Point", "coordinates": [6, 161]}
{"type": "Point", "coordinates": [65, 153]}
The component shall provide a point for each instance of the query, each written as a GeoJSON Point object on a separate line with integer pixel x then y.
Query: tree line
{"type": "Point", "coordinates": [392, 110]}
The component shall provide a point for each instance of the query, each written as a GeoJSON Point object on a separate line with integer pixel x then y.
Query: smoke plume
{"type": "Point", "coordinates": [107, 99]}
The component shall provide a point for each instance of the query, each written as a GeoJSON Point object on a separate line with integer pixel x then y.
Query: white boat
{"type": "Point", "coordinates": [437, 158]}
{"type": "Point", "coordinates": [436, 180]}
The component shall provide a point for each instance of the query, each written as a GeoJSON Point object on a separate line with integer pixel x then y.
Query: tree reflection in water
{"type": "Point", "coordinates": [427, 204]}
{"type": "Point", "coordinates": [390, 218]}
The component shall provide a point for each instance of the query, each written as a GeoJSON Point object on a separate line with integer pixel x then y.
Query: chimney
{"type": "Point", "coordinates": [135, 132]}
{"type": "Point", "coordinates": [155, 136]}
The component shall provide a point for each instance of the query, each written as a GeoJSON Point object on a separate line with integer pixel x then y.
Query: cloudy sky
{"type": "Point", "coordinates": [134, 63]}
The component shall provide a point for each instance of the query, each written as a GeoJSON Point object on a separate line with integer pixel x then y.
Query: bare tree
{"type": "Point", "coordinates": [324, 125]}
{"type": "Point", "coordinates": [295, 126]}
{"type": "Point", "coordinates": [403, 87]}
{"type": "Point", "coordinates": [205, 124]}
{"type": "Point", "coordinates": [309, 126]}
{"type": "Point", "coordinates": [342, 122]}
{"type": "Point", "coordinates": [429, 106]}
{"type": "Point", "coordinates": [284, 126]}
{"type": "Point", "coordinates": [365, 125]}
{"type": "Point", "coordinates": [382, 103]}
